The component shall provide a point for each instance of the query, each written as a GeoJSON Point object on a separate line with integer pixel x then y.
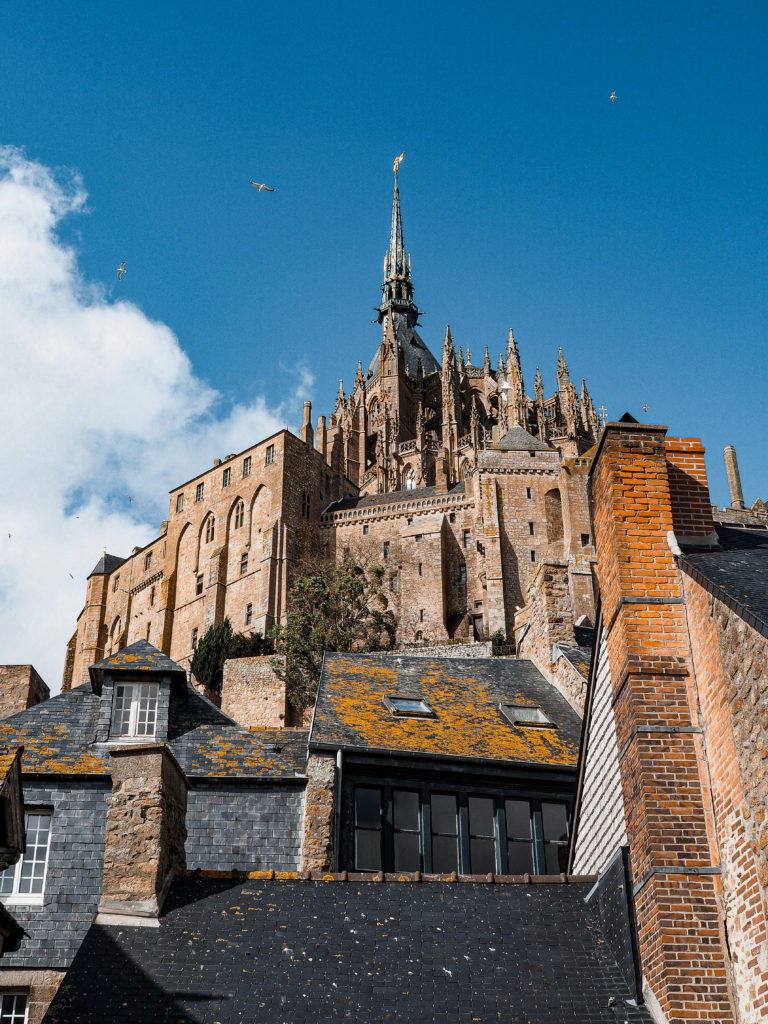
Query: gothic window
{"type": "Point", "coordinates": [530, 529]}
{"type": "Point", "coordinates": [410, 479]}
{"type": "Point", "coordinates": [239, 515]}
{"type": "Point", "coordinates": [210, 529]}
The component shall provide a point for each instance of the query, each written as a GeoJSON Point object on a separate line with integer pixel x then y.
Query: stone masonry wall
{"type": "Point", "coordinates": [731, 662]}
{"type": "Point", "coordinates": [41, 985]}
{"type": "Point", "coordinates": [244, 826]}
{"type": "Point", "coordinates": [20, 688]}
{"type": "Point", "coordinates": [73, 878]}
{"type": "Point", "coordinates": [319, 808]}
{"type": "Point", "coordinates": [252, 694]}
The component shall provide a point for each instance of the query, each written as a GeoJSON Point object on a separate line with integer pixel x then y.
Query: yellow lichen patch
{"type": "Point", "coordinates": [467, 720]}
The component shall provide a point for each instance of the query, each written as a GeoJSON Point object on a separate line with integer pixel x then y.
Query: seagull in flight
{"type": "Point", "coordinates": [121, 270]}
{"type": "Point", "coordinates": [261, 187]}
{"type": "Point", "coordinates": [613, 96]}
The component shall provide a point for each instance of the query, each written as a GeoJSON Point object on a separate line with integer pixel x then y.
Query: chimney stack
{"type": "Point", "coordinates": [734, 480]}
{"type": "Point", "coordinates": [307, 433]}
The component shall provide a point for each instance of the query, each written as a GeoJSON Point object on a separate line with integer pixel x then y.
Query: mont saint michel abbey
{"type": "Point", "coordinates": [443, 469]}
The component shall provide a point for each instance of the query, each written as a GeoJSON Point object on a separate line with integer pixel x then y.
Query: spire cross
{"type": "Point", "coordinates": [603, 414]}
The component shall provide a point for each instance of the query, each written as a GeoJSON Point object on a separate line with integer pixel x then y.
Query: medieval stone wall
{"type": "Point", "coordinates": [20, 688]}
{"type": "Point", "coordinates": [252, 693]}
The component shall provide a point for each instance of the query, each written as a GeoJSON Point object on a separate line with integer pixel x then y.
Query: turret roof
{"type": "Point", "coordinates": [517, 439]}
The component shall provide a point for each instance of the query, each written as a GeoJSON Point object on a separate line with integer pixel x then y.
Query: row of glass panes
{"type": "Point", "coordinates": [27, 876]}
{"type": "Point", "coordinates": [410, 830]}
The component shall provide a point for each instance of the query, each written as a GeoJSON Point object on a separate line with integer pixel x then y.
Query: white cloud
{"type": "Point", "coordinates": [89, 387]}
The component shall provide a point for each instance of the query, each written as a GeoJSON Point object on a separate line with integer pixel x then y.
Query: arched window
{"type": "Point", "coordinates": [239, 515]}
{"type": "Point", "coordinates": [410, 479]}
{"type": "Point", "coordinates": [553, 509]}
{"type": "Point", "coordinates": [210, 528]}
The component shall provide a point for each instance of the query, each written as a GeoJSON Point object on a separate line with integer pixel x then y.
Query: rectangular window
{"type": "Point", "coordinates": [134, 711]}
{"type": "Point", "coordinates": [199, 491]}
{"type": "Point", "coordinates": [406, 825]}
{"type": "Point", "coordinates": [248, 614]}
{"type": "Point", "coordinates": [421, 569]}
{"type": "Point", "coordinates": [452, 517]}
{"type": "Point", "coordinates": [554, 827]}
{"type": "Point", "coordinates": [151, 596]}
{"type": "Point", "coordinates": [413, 706]}
{"type": "Point", "coordinates": [419, 538]}
{"type": "Point", "coordinates": [180, 502]}
{"type": "Point", "coordinates": [482, 835]}
{"type": "Point", "coordinates": [247, 466]}
{"type": "Point", "coordinates": [532, 454]}
{"type": "Point", "coordinates": [194, 638]}
{"type": "Point", "coordinates": [528, 492]}
{"type": "Point", "coordinates": [465, 537]}
{"type": "Point", "coordinates": [24, 881]}
{"type": "Point", "coordinates": [243, 564]}
{"type": "Point", "coordinates": [519, 837]}
{"type": "Point", "coordinates": [585, 540]}
{"type": "Point", "coordinates": [393, 584]}
{"type": "Point", "coordinates": [226, 477]}
{"type": "Point", "coordinates": [445, 833]}
{"type": "Point", "coordinates": [13, 1008]}
{"type": "Point", "coordinates": [365, 531]}
{"type": "Point", "coordinates": [270, 456]}
{"type": "Point", "coordinates": [530, 528]}
{"type": "Point", "coordinates": [147, 561]}
{"type": "Point", "coordinates": [462, 574]}
{"type": "Point", "coordinates": [368, 828]}
{"type": "Point", "coordinates": [533, 556]}
{"type": "Point", "coordinates": [199, 584]}
{"type": "Point", "coordinates": [116, 584]}
{"type": "Point", "coordinates": [421, 614]}
{"type": "Point", "coordinates": [385, 552]}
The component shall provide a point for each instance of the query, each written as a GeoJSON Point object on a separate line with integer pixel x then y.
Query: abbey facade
{"type": "Point", "coordinates": [446, 473]}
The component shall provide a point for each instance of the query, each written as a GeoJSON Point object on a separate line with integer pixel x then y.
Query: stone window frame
{"type": "Point", "coordinates": [393, 583]}
{"type": "Point", "coordinates": [147, 561]}
{"type": "Point", "coordinates": [462, 573]}
{"type": "Point", "coordinates": [385, 549]}
{"type": "Point", "coordinates": [200, 492]}
{"type": "Point", "coordinates": [239, 514]}
{"type": "Point", "coordinates": [15, 897]}
{"type": "Point", "coordinates": [533, 555]}
{"type": "Point", "coordinates": [466, 538]}
{"type": "Point", "coordinates": [248, 614]}
{"type": "Point", "coordinates": [365, 529]}
{"type": "Point", "coordinates": [226, 477]}
{"type": "Point", "coordinates": [210, 528]}
{"type": "Point", "coordinates": [142, 697]}
{"type": "Point", "coordinates": [247, 465]}
{"type": "Point", "coordinates": [11, 1014]}
{"type": "Point", "coordinates": [116, 584]}
{"type": "Point", "coordinates": [195, 636]}
{"type": "Point", "coordinates": [528, 493]}
{"type": "Point", "coordinates": [531, 528]}
{"type": "Point", "coordinates": [269, 455]}
{"type": "Point", "coordinates": [180, 502]}
{"type": "Point", "coordinates": [199, 584]}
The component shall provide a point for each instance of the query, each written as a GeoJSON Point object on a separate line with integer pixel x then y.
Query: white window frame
{"type": "Point", "coordinates": [14, 1017]}
{"type": "Point", "coordinates": [29, 899]}
{"type": "Point", "coordinates": [134, 707]}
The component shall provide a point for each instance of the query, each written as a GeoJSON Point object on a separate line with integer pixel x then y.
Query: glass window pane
{"type": "Point", "coordinates": [518, 819]}
{"type": "Point", "coordinates": [406, 809]}
{"type": "Point", "coordinates": [367, 807]}
{"type": "Point", "coordinates": [481, 816]}
{"type": "Point", "coordinates": [554, 820]}
{"type": "Point", "coordinates": [445, 854]}
{"type": "Point", "coordinates": [367, 850]}
{"type": "Point", "coordinates": [407, 851]}
{"type": "Point", "coordinates": [444, 814]}
{"type": "Point", "coordinates": [410, 705]}
{"type": "Point", "coordinates": [482, 856]}
{"type": "Point", "coordinates": [6, 879]}
{"type": "Point", "coordinates": [520, 857]}
{"type": "Point", "coordinates": [555, 858]}
{"type": "Point", "coordinates": [13, 1008]}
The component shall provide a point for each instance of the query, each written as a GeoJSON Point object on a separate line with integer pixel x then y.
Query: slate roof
{"type": "Point", "coordinates": [579, 657]}
{"type": "Point", "coordinates": [290, 744]}
{"type": "Point", "coordinates": [517, 439]}
{"type": "Point", "coordinates": [58, 739]}
{"type": "Point", "coordinates": [139, 657]}
{"type": "Point", "coordinates": [739, 573]}
{"type": "Point", "coordinates": [374, 500]}
{"type": "Point", "coordinates": [105, 565]}
{"type": "Point", "coordinates": [324, 952]}
{"type": "Point", "coordinates": [464, 693]}
{"type": "Point", "coordinates": [414, 349]}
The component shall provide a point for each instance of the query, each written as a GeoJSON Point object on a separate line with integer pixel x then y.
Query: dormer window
{"type": "Point", "coordinates": [412, 707]}
{"type": "Point", "coordinates": [526, 715]}
{"type": "Point", "coordinates": [134, 711]}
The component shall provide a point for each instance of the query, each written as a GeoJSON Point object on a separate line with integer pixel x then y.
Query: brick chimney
{"type": "Point", "coordinates": [641, 489]}
{"type": "Point", "coordinates": [146, 831]}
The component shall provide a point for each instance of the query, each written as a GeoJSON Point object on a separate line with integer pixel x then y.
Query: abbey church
{"type": "Point", "coordinates": [448, 473]}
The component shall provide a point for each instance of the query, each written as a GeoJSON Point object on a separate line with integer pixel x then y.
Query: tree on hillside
{"type": "Point", "coordinates": [219, 643]}
{"type": "Point", "coordinates": [330, 608]}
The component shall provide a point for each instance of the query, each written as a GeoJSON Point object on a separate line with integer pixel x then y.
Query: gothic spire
{"type": "Point", "coordinates": [397, 289]}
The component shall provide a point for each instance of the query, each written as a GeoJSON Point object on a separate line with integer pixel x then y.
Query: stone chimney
{"type": "Point", "coordinates": [146, 831]}
{"type": "Point", "coordinates": [734, 480]}
{"type": "Point", "coordinates": [322, 436]}
{"type": "Point", "coordinates": [307, 431]}
{"type": "Point", "coordinates": [20, 688]}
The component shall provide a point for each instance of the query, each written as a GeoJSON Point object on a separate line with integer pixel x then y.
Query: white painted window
{"type": "Point", "coordinates": [134, 711]}
{"type": "Point", "coordinates": [13, 1007]}
{"type": "Point", "coordinates": [24, 881]}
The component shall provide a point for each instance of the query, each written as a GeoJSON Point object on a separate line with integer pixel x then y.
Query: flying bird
{"type": "Point", "coordinates": [70, 575]}
{"type": "Point", "coordinates": [398, 161]}
{"type": "Point", "coordinates": [261, 187]}
{"type": "Point", "coordinates": [121, 270]}
{"type": "Point", "coordinates": [613, 96]}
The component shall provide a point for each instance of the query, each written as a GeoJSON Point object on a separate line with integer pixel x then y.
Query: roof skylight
{"type": "Point", "coordinates": [413, 707]}
{"type": "Point", "coordinates": [526, 714]}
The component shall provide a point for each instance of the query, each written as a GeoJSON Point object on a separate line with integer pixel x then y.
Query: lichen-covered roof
{"type": "Point", "coordinates": [463, 692]}
{"type": "Point", "coordinates": [141, 657]}
{"type": "Point", "coordinates": [58, 738]}
{"type": "Point", "coordinates": [289, 744]}
{"type": "Point", "coordinates": [517, 439]}
{"type": "Point", "coordinates": [230, 952]}
{"type": "Point", "coordinates": [739, 572]}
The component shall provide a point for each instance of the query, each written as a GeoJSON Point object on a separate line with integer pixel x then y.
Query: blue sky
{"type": "Point", "coordinates": [633, 234]}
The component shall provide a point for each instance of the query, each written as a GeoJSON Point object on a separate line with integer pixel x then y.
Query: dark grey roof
{"type": "Point", "coordinates": [414, 349]}
{"type": "Point", "coordinates": [105, 565]}
{"type": "Point", "coordinates": [289, 744]}
{"type": "Point", "coordinates": [367, 952]}
{"type": "Point", "coordinates": [739, 574]}
{"type": "Point", "coordinates": [464, 694]}
{"type": "Point", "coordinates": [139, 657]}
{"type": "Point", "coordinates": [517, 439]}
{"type": "Point", "coordinates": [579, 657]}
{"type": "Point", "coordinates": [372, 500]}
{"type": "Point", "coordinates": [58, 737]}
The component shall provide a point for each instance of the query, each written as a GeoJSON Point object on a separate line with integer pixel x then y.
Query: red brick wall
{"type": "Point", "coordinates": [689, 490]}
{"type": "Point", "coordinates": [683, 954]}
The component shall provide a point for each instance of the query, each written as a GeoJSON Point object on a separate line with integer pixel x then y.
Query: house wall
{"type": "Point", "coordinates": [241, 826]}
{"type": "Point", "coordinates": [730, 660]}
{"type": "Point", "coordinates": [20, 687]}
